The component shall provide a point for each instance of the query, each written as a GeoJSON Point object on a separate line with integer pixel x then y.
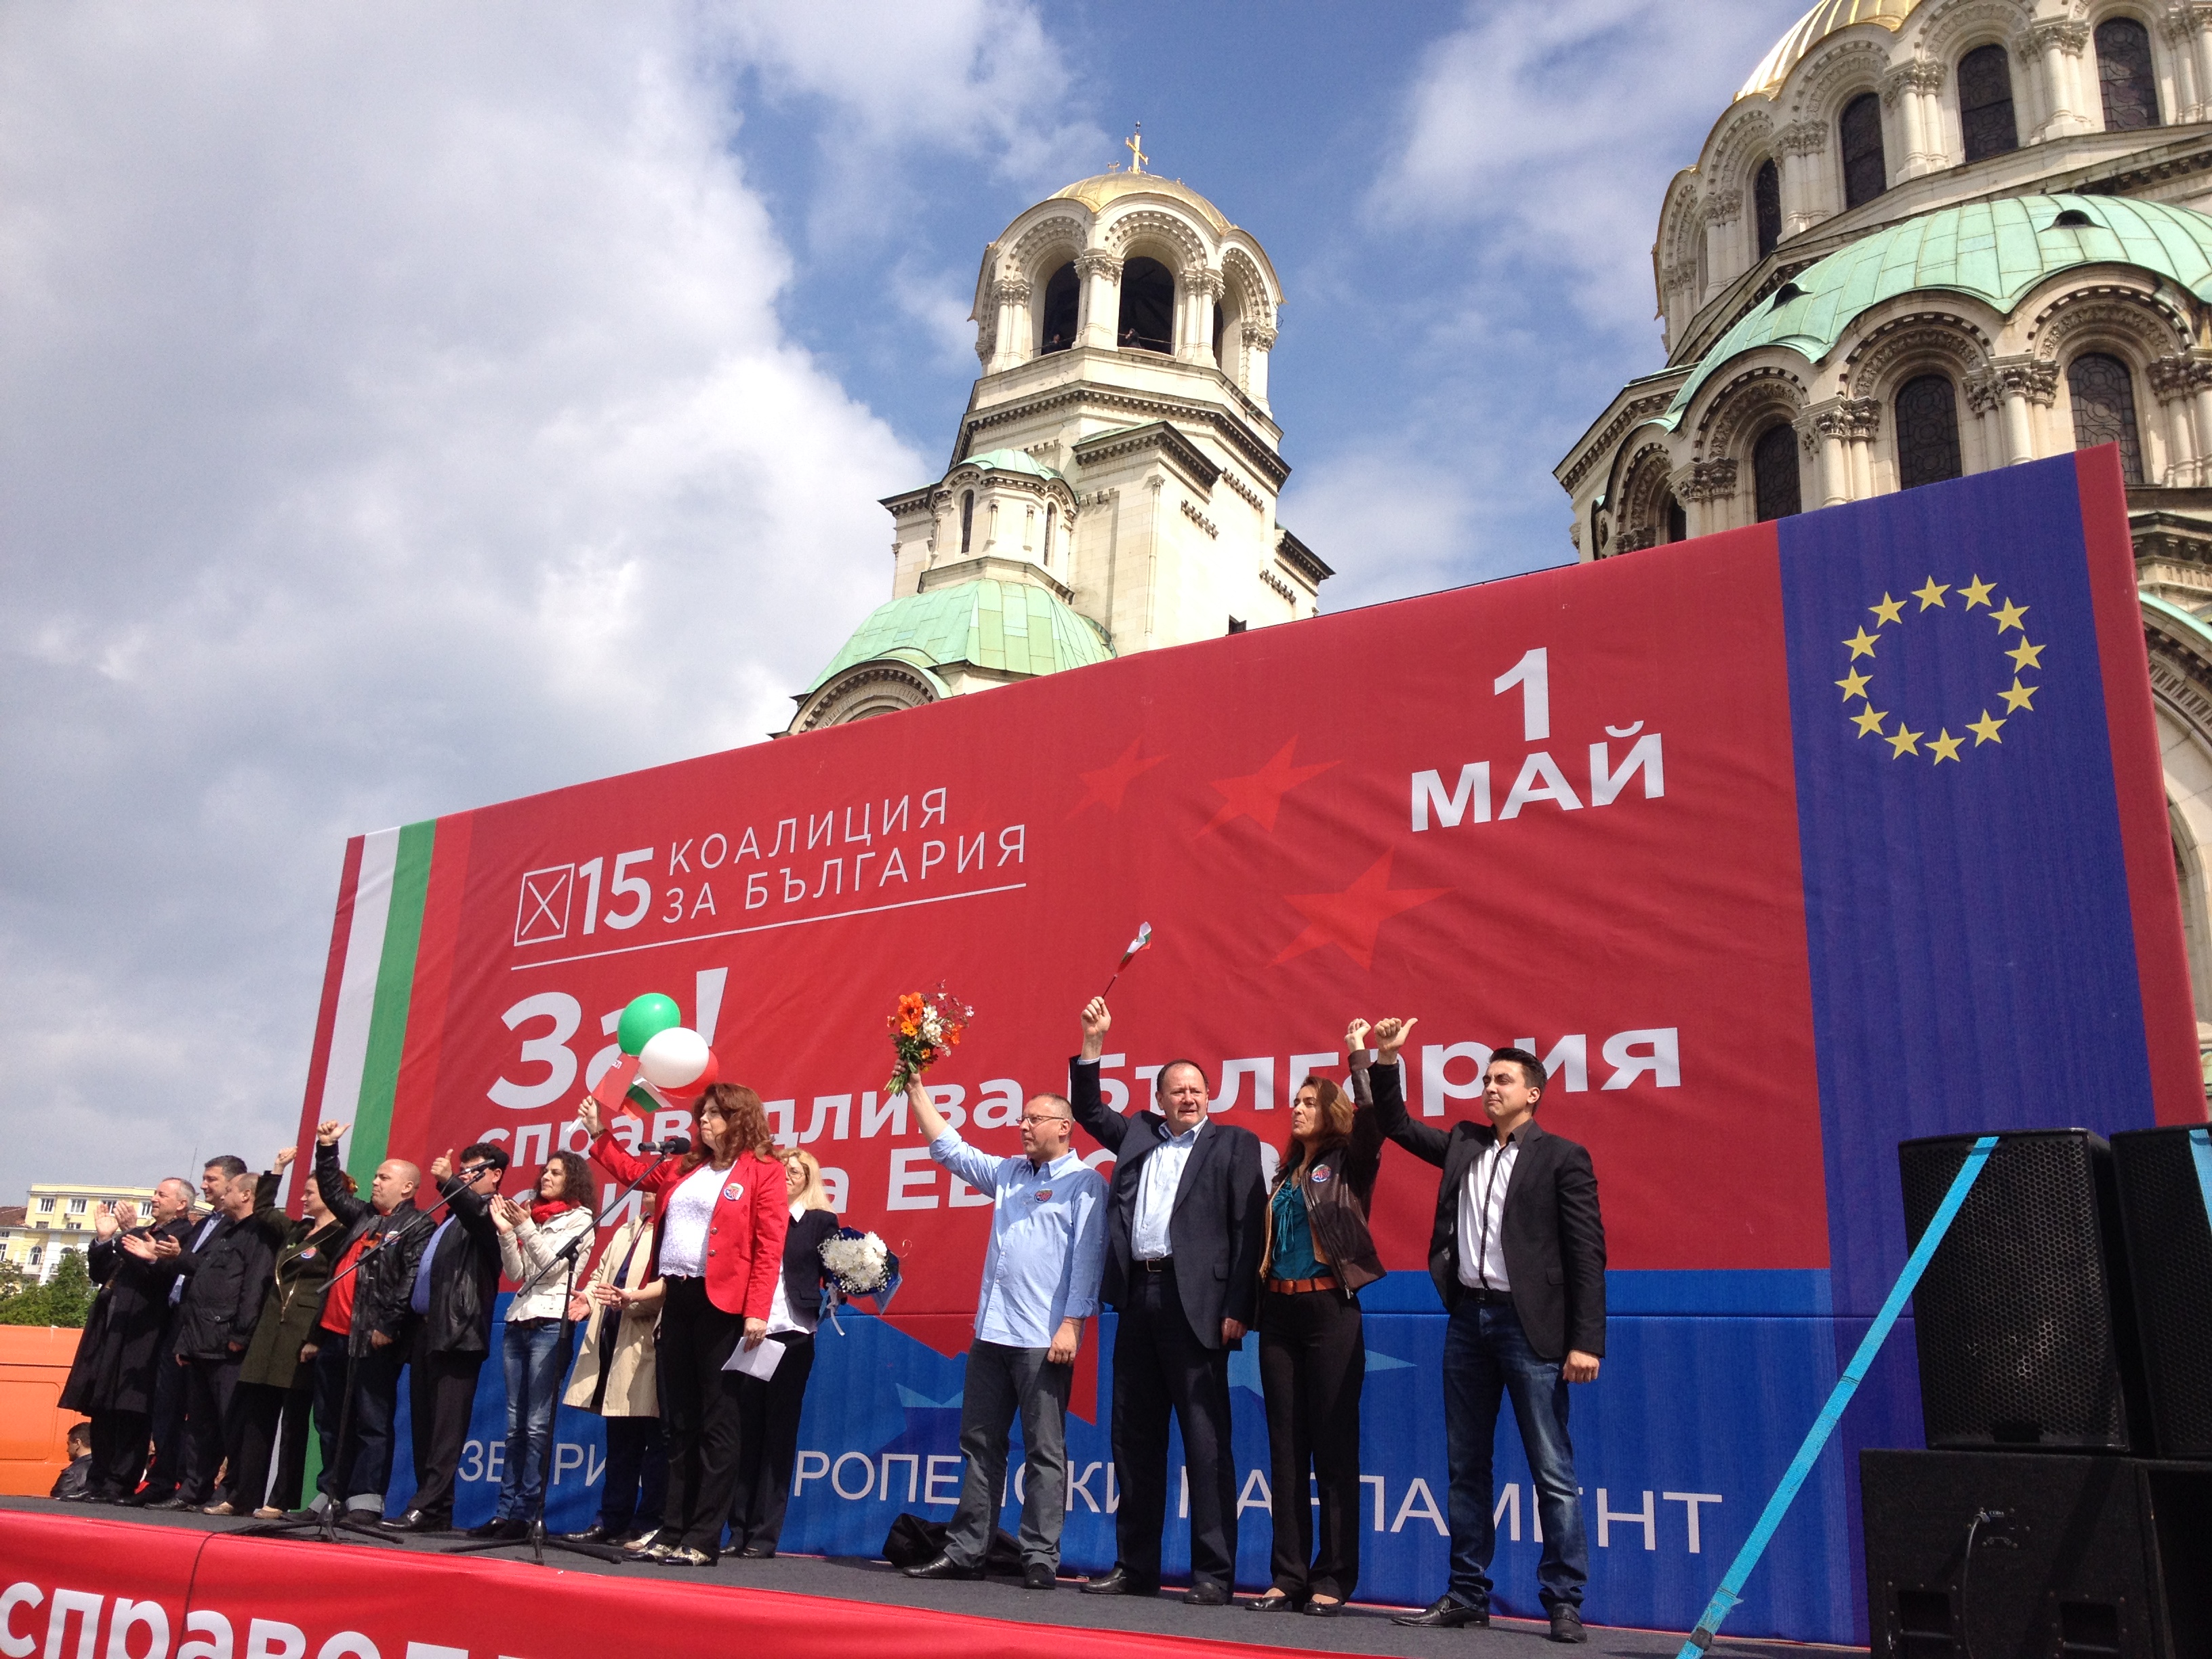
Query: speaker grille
{"type": "Point", "coordinates": [2013, 1316]}
{"type": "Point", "coordinates": [2170, 1259]}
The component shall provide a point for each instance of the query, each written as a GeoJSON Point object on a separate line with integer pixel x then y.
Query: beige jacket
{"type": "Point", "coordinates": [621, 1343]}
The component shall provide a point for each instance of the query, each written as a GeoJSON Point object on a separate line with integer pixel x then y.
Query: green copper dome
{"type": "Point", "coordinates": [1995, 252]}
{"type": "Point", "coordinates": [1015, 627]}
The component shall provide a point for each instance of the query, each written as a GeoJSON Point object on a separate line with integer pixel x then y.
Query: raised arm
{"type": "Point", "coordinates": [1109, 1129]}
{"type": "Point", "coordinates": [1385, 1077]}
{"type": "Point", "coordinates": [978, 1168]}
{"type": "Point", "coordinates": [330, 1179]}
{"type": "Point", "coordinates": [1362, 1159]}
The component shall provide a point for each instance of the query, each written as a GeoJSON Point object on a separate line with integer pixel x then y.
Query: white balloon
{"type": "Point", "coordinates": [674, 1058]}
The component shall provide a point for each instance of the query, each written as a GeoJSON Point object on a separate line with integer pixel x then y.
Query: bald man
{"type": "Point", "coordinates": [367, 1306]}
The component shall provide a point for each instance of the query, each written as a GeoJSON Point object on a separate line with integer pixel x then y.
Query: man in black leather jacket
{"type": "Point", "coordinates": [456, 1284]}
{"type": "Point", "coordinates": [384, 1241]}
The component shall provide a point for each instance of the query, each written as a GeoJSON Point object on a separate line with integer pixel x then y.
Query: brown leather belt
{"type": "Point", "coordinates": [1301, 1286]}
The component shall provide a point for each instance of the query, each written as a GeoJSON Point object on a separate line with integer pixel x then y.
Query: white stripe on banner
{"type": "Point", "coordinates": [372, 910]}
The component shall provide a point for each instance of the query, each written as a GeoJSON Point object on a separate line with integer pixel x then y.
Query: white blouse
{"type": "Point", "coordinates": [686, 1213]}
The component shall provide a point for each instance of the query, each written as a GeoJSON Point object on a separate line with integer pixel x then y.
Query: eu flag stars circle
{"type": "Point", "coordinates": [1863, 668]}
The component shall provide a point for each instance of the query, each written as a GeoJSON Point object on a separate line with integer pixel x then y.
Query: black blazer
{"type": "Point", "coordinates": [1552, 1233]}
{"type": "Point", "coordinates": [1219, 1227]}
{"type": "Point", "coordinates": [223, 1304]}
{"type": "Point", "coordinates": [804, 1275]}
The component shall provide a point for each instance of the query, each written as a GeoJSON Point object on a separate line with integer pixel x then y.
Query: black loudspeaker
{"type": "Point", "coordinates": [2162, 1201]}
{"type": "Point", "coordinates": [1995, 1556]}
{"type": "Point", "coordinates": [2025, 1330]}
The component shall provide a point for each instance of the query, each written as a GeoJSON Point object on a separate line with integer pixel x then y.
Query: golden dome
{"type": "Point", "coordinates": [1095, 192]}
{"type": "Point", "coordinates": [1816, 25]}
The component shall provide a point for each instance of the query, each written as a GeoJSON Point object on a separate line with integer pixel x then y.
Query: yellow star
{"type": "Point", "coordinates": [2017, 698]}
{"type": "Point", "coordinates": [2025, 655]}
{"type": "Point", "coordinates": [1903, 742]}
{"type": "Point", "coordinates": [1932, 594]}
{"type": "Point", "coordinates": [1889, 610]}
{"type": "Point", "coordinates": [1869, 721]}
{"type": "Point", "coordinates": [2009, 616]}
{"type": "Point", "coordinates": [1855, 685]}
{"type": "Point", "coordinates": [1984, 730]}
{"type": "Point", "coordinates": [1944, 747]}
{"type": "Point", "coordinates": [1861, 645]}
{"type": "Point", "coordinates": [1976, 592]}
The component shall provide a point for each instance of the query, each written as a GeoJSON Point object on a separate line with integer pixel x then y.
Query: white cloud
{"type": "Point", "coordinates": [394, 417]}
{"type": "Point", "coordinates": [1552, 129]}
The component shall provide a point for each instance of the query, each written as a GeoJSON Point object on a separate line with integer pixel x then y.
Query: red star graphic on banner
{"type": "Point", "coordinates": [1353, 918]}
{"type": "Point", "coordinates": [1109, 783]}
{"type": "Point", "coordinates": [1258, 795]}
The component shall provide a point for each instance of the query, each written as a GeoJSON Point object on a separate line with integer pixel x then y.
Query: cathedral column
{"type": "Point", "coordinates": [2182, 383]}
{"type": "Point", "coordinates": [2059, 42]}
{"type": "Point", "coordinates": [1100, 274]}
{"type": "Point", "coordinates": [2184, 41]}
{"type": "Point", "coordinates": [1845, 429]}
{"type": "Point", "coordinates": [1206, 289]}
{"type": "Point", "coordinates": [1704, 489]}
{"type": "Point", "coordinates": [1795, 146]}
{"type": "Point", "coordinates": [1258, 340]}
{"type": "Point", "coordinates": [1911, 88]}
{"type": "Point", "coordinates": [1722, 209]}
{"type": "Point", "coordinates": [1010, 343]}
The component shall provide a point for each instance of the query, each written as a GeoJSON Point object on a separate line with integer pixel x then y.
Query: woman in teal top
{"type": "Point", "coordinates": [1313, 1350]}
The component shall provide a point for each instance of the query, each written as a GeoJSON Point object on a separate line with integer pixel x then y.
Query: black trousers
{"type": "Point", "coordinates": [1313, 1361]}
{"type": "Point", "coordinates": [442, 1394]}
{"type": "Point", "coordinates": [700, 1418]}
{"type": "Point", "coordinates": [118, 1453]}
{"type": "Point", "coordinates": [167, 1426]}
{"type": "Point", "coordinates": [636, 1489]}
{"type": "Point", "coordinates": [1160, 1365]}
{"type": "Point", "coordinates": [208, 1385]}
{"type": "Point", "coordinates": [768, 1418]}
{"type": "Point", "coordinates": [268, 1422]}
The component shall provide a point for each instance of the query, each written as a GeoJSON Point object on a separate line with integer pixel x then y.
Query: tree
{"type": "Point", "coordinates": [65, 1299]}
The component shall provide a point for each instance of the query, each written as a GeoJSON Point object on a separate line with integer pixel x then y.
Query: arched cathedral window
{"type": "Point", "coordinates": [2103, 394]}
{"type": "Point", "coordinates": [1985, 103]}
{"type": "Point", "coordinates": [1766, 205]}
{"type": "Point", "coordinates": [1866, 173]}
{"type": "Point", "coordinates": [2123, 75]}
{"type": "Point", "coordinates": [966, 518]}
{"type": "Point", "coordinates": [1147, 320]}
{"type": "Point", "coordinates": [1774, 473]}
{"type": "Point", "coordinates": [1677, 523]}
{"type": "Point", "coordinates": [1927, 432]}
{"type": "Point", "coordinates": [1062, 296]}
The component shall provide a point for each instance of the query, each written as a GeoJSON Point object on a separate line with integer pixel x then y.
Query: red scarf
{"type": "Point", "coordinates": [541, 1211]}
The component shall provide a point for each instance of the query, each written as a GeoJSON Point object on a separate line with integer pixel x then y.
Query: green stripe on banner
{"type": "Point", "coordinates": [395, 989]}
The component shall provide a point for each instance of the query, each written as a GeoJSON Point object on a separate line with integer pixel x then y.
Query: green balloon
{"type": "Point", "coordinates": [646, 1019]}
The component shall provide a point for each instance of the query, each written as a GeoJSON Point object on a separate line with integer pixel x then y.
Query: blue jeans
{"type": "Point", "coordinates": [1486, 1353]}
{"type": "Point", "coordinates": [535, 1365]}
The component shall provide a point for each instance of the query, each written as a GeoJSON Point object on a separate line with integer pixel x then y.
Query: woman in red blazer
{"type": "Point", "coordinates": [719, 1248]}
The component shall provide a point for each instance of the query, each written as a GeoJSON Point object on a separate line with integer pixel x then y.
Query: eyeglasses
{"type": "Point", "coordinates": [1032, 1117]}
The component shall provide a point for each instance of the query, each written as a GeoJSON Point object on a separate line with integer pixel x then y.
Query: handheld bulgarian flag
{"type": "Point", "coordinates": [1143, 938]}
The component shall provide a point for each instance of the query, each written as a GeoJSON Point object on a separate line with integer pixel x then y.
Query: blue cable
{"type": "Point", "coordinates": [1731, 1589]}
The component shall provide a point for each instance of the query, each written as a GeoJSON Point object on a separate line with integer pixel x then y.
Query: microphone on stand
{"type": "Point", "coordinates": [674, 1146]}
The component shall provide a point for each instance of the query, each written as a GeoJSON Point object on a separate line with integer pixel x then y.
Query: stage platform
{"type": "Point", "coordinates": [524, 1612]}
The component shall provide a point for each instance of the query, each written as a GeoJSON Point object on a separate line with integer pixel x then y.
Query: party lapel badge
{"type": "Point", "coordinates": [1044, 1195]}
{"type": "Point", "coordinates": [1321, 1174]}
{"type": "Point", "coordinates": [734, 1191]}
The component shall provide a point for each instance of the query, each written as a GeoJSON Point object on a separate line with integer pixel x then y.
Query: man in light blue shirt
{"type": "Point", "coordinates": [1040, 1285]}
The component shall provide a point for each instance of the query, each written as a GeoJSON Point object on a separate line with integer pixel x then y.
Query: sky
{"type": "Point", "coordinates": [406, 407]}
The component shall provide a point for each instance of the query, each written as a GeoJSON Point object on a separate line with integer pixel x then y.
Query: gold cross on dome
{"type": "Point", "coordinates": [1138, 156]}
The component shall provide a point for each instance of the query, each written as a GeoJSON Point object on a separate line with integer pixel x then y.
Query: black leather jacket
{"type": "Point", "coordinates": [385, 1276]}
{"type": "Point", "coordinates": [465, 1276]}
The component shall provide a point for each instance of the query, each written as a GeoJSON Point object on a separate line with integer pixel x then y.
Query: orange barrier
{"type": "Point", "coordinates": [34, 1362]}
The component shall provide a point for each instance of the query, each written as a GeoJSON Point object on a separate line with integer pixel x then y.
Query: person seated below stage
{"type": "Point", "coordinates": [74, 1484]}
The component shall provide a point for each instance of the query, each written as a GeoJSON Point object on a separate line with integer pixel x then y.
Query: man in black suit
{"type": "Point", "coordinates": [1185, 1218]}
{"type": "Point", "coordinates": [1518, 1252]}
{"type": "Point", "coordinates": [167, 1471]}
{"type": "Point", "coordinates": [122, 1354]}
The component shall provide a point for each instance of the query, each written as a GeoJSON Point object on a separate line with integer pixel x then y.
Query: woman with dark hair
{"type": "Point", "coordinates": [723, 1218]}
{"type": "Point", "coordinates": [768, 1410]}
{"type": "Point", "coordinates": [532, 1239]}
{"type": "Point", "coordinates": [277, 1381]}
{"type": "Point", "coordinates": [1313, 1349]}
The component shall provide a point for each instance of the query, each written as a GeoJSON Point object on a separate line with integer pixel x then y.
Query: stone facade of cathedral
{"type": "Point", "coordinates": [1931, 237]}
{"type": "Point", "coordinates": [1113, 482]}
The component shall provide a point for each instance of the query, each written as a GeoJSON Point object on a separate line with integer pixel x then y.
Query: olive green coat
{"type": "Point", "coordinates": [294, 1300]}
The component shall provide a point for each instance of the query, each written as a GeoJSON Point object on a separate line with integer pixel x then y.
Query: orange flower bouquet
{"type": "Point", "coordinates": [925, 1029]}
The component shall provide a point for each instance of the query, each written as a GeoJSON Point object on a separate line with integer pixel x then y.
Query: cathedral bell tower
{"type": "Point", "coordinates": [1113, 483]}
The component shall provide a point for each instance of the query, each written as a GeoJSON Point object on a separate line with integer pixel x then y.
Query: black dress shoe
{"type": "Point", "coordinates": [1444, 1614]}
{"type": "Point", "coordinates": [139, 1499]}
{"type": "Point", "coordinates": [417, 1520]}
{"type": "Point", "coordinates": [1037, 1576]}
{"type": "Point", "coordinates": [596, 1533]}
{"type": "Point", "coordinates": [1207, 1595]}
{"type": "Point", "coordinates": [944, 1566]}
{"type": "Point", "coordinates": [1323, 1609]}
{"type": "Point", "coordinates": [1274, 1601]}
{"type": "Point", "coordinates": [1118, 1583]}
{"type": "Point", "coordinates": [1567, 1624]}
{"type": "Point", "coordinates": [513, 1527]}
{"type": "Point", "coordinates": [759, 1552]}
{"type": "Point", "coordinates": [171, 1502]}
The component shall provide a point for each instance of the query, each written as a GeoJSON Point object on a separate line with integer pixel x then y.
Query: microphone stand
{"type": "Point", "coordinates": [538, 1538]}
{"type": "Point", "coordinates": [325, 1525]}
